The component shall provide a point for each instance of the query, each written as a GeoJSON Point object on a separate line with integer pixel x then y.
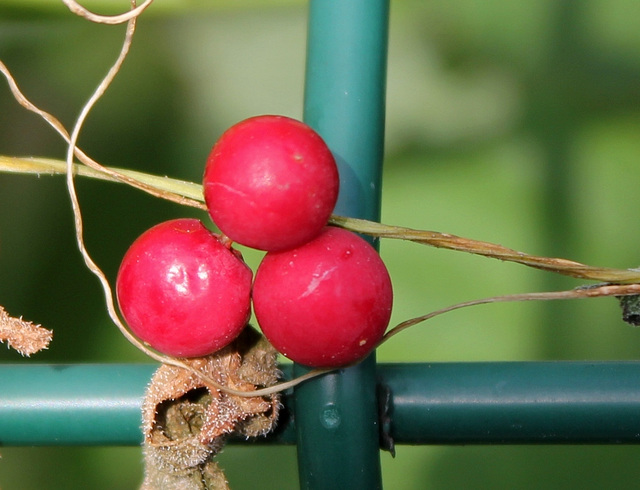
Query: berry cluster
{"type": "Point", "coordinates": [321, 295]}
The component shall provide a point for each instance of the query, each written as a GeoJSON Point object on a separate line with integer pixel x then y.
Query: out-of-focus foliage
{"type": "Point", "coordinates": [512, 122]}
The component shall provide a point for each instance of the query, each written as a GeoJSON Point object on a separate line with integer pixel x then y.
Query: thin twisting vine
{"type": "Point", "coordinates": [124, 177]}
{"type": "Point", "coordinates": [132, 14]}
{"type": "Point", "coordinates": [93, 267]}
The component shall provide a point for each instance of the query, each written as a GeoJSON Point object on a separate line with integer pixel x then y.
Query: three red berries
{"type": "Point", "coordinates": [321, 295]}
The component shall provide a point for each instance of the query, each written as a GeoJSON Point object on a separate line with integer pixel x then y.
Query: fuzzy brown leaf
{"type": "Point", "coordinates": [186, 421]}
{"type": "Point", "coordinates": [25, 337]}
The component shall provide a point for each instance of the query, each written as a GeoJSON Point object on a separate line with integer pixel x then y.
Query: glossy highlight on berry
{"type": "Point", "coordinates": [182, 291]}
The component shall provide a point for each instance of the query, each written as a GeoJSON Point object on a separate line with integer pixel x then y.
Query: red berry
{"type": "Point", "coordinates": [182, 291]}
{"type": "Point", "coordinates": [270, 183]}
{"type": "Point", "coordinates": [326, 303]}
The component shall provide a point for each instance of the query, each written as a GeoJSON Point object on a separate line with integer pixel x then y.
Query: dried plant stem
{"type": "Point", "coordinates": [78, 9]}
{"type": "Point", "coordinates": [39, 166]}
{"type": "Point", "coordinates": [128, 177]}
{"type": "Point", "coordinates": [597, 291]}
{"type": "Point", "coordinates": [92, 266]}
{"type": "Point", "coordinates": [73, 138]}
{"type": "Point", "coordinates": [165, 186]}
{"type": "Point", "coordinates": [491, 250]}
{"type": "Point", "coordinates": [192, 191]}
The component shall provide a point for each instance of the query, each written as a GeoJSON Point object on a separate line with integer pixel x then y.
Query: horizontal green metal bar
{"type": "Point", "coordinates": [514, 403]}
{"type": "Point", "coordinates": [72, 404]}
{"type": "Point", "coordinates": [441, 403]}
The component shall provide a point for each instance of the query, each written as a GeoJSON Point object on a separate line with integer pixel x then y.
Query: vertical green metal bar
{"type": "Point", "coordinates": [336, 415]}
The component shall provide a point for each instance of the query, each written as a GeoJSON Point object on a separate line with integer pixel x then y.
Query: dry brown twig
{"type": "Point", "coordinates": [78, 9]}
{"type": "Point", "coordinates": [84, 158]}
{"type": "Point", "coordinates": [596, 291]}
{"type": "Point", "coordinates": [490, 250]}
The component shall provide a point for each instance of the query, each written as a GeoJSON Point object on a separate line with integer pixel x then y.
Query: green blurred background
{"type": "Point", "coordinates": [511, 122]}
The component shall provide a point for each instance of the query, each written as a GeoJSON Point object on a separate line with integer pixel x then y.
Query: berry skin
{"type": "Point", "coordinates": [326, 303]}
{"type": "Point", "coordinates": [270, 183]}
{"type": "Point", "coordinates": [182, 291]}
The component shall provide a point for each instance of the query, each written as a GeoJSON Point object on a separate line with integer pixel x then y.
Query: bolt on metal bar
{"type": "Point", "coordinates": [345, 80]}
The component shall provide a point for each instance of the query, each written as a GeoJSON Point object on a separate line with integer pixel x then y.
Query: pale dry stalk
{"type": "Point", "coordinates": [78, 9]}
{"type": "Point", "coordinates": [115, 174]}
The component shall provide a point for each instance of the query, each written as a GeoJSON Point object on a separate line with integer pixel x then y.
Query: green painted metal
{"type": "Point", "coordinates": [336, 415]}
{"type": "Point", "coordinates": [441, 403]}
{"type": "Point", "coordinates": [514, 403]}
{"type": "Point", "coordinates": [345, 84]}
{"type": "Point", "coordinates": [71, 404]}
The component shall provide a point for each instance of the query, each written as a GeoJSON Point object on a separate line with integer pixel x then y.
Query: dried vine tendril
{"type": "Point", "coordinates": [126, 176]}
{"type": "Point", "coordinates": [78, 9]}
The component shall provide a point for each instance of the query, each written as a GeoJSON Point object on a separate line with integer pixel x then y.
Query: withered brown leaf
{"type": "Point", "coordinates": [186, 421]}
{"type": "Point", "coordinates": [25, 337]}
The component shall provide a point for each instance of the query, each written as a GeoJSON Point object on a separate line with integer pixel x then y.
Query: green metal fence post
{"type": "Point", "coordinates": [336, 415]}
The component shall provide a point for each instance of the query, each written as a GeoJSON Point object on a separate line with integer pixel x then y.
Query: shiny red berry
{"type": "Point", "coordinates": [326, 303]}
{"type": "Point", "coordinates": [182, 291]}
{"type": "Point", "coordinates": [270, 183]}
